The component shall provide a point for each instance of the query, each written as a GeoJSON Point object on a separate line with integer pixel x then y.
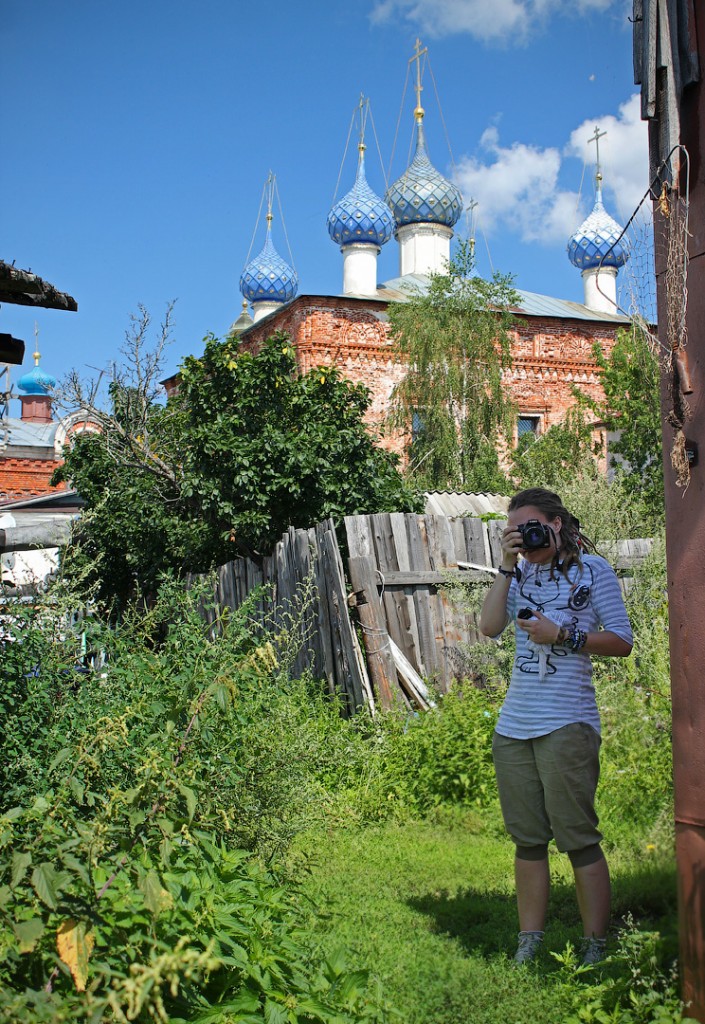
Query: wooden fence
{"type": "Point", "coordinates": [396, 623]}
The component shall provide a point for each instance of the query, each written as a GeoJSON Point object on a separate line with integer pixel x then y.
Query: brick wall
{"type": "Point", "coordinates": [26, 478]}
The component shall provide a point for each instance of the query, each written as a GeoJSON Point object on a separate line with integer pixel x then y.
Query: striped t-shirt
{"type": "Point", "coordinates": [552, 686]}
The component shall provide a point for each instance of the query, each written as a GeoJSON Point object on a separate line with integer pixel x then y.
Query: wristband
{"type": "Point", "coordinates": [509, 573]}
{"type": "Point", "coordinates": [571, 637]}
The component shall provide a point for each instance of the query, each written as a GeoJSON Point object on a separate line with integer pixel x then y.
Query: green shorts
{"type": "Point", "coordinates": [547, 787]}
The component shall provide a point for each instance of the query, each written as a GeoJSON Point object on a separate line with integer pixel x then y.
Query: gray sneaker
{"type": "Point", "coordinates": [528, 947]}
{"type": "Point", "coordinates": [592, 951]}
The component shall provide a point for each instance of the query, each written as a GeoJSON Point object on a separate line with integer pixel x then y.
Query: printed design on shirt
{"type": "Point", "coordinates": [552, 598]}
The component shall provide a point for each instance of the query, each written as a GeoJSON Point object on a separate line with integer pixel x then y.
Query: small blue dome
{"type": "Point", "coordinates": [360, 216]}
{"type": "Point", "coordinates": [422, 194]}
{"type": "Point", "coordinates": [269, 278]}
{"type": "Point", "coordinates": [595, 243]}
{"type": "Point", "coordinates": [36, 382]}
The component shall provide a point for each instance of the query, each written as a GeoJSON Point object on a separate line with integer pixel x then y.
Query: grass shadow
{"type": "Point", "coordinates": [484, 922]}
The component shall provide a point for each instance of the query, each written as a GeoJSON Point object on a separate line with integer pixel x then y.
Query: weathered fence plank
{"type": "Point", "coordinates": [418, 557]}
{"type": "Point", "coordinates": [401, 545]}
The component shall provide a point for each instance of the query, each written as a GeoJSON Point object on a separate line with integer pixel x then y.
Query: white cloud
{"type": "Point", "coordinates": [517, 187]}
{"type": "Point", "coordinates": [624, 153]}
{"type": "Point", "coordinates": [498, 21]}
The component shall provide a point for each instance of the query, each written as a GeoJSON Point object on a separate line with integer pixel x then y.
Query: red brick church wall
{"type": "Point", "coordinates": [550, 355]}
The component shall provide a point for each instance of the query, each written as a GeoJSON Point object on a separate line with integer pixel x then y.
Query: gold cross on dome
{"type": "Point", "coordinates": [419, 53]}
{"type": "Point", "coordinates": [596, 139]}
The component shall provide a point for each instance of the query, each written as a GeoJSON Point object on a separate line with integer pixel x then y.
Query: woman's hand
{"type": "Point", "coordinates": [511, 543]}
{"type": "Point", "coordinates": [539, 629]}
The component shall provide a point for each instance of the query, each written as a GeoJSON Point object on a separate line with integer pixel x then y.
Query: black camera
{"type": "Point", "coordinates": [534, 535]}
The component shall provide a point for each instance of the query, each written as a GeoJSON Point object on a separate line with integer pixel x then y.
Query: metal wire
{"type": "Point", "coordinates": [401, 110]}
{"type": "Point", "coordinates": [345, 153]}
{"type": "Point", "coordinates": [259, 214]}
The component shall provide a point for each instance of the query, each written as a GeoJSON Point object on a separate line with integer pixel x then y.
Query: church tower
{"type": "Point", "coordinates": [38, 387]}
{"type": "Point", "coordinates": [360, 223]}
{"type": "Point", "coordinates": [425, 205]}
{"type": "Point", "coordinates": [268, 281]}
{"type": "Point", "coordinates": [598, 250]}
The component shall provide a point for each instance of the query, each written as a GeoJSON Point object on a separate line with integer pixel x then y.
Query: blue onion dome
{"type": "Point", "coordinates": [269, 278]}
{"type": "Point", "coordinates": [360, 216]}
{"type": "Point", "coordinates": [422, 194]}
{"type": "Point", "coordinates": [595, 243]}
{"type": "Point", "coordinates": [36, 382]}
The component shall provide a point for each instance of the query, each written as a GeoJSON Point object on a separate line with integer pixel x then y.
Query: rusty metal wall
{"type": "Point", "coordinates": [685, 515]}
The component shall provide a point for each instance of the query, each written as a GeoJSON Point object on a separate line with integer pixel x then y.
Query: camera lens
{"type": "Point", "coordinates": [533, 537]}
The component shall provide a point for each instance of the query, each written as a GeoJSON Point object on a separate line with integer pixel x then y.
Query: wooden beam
{"type": "Point", "coordinates": [430, 578]}
{"type": "Point", "coordinates": [11, 350]}
{"type": "Point", "coordinates": [23, 288]}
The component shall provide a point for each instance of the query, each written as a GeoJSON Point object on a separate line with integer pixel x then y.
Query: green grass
{"type": "Point", "coordinates": [429, 908]}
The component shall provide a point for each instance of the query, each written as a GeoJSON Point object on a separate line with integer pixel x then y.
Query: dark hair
{"type": "Point", "coordinates": [572, 541]}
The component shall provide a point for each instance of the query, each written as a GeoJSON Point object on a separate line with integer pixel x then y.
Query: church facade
{"type": "Point", "coordinates": [553, 339]}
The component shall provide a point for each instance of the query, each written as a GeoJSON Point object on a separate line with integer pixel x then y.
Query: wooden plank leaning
{"type": "Point", "coordinates": [383, 673]}
{"type": "Point", "coordinates": [350, 661]}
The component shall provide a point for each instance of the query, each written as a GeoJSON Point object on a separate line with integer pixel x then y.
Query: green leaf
{"type": "Point", "coordinates": [190, 798]}
{"type": "Point", "coordinates": [353, 985]}
{"type": "Point", "coordinates": [76, 866]}
{"type": "Point", "coordinates": [28, 933]}
{"type": "Point", "coordinates": [20, 863]}
{"type": "Point", "coordinates": [156, 897]}
{"type": "Point", "coordinates": [46, 879]}
{"type": "Point", "coordinates": [274, 1013]}
{"type": "Point", "coordinates": [77, 789]}
{"type": "Point", "coordinates": [246, 1003]}
{"type": "Point", "coordinates": [62, 756]}
{"type": "Point", "coordinates": [222, 696]}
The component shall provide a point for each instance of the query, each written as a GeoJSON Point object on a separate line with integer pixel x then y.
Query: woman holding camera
{"type": "Point", "coordinates": [567, 606]}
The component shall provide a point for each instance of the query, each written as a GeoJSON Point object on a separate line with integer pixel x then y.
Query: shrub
{"type": "Point", "coordinates": [418, 762]}
{"type": "Point", "coordinates": [637, 984]}
{"type": "Point", "coordinates": [129, 885]}
{"type": "Point", "coordinates": [635, 704]}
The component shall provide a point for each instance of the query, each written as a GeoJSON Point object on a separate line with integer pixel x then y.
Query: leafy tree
{"type": "Point", "coordinates": [248, 447]}
{"type": "Point", "coordinates": [455, 340]}
{"type": "Point", "coordinates": [566, 449]}
{"type": "Point", "coordinates": [630, 378]}
{"type": "Point", "coordinates": [286, 448]}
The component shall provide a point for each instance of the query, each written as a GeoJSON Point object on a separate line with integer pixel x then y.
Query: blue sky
{"type": "Point", "coordinates": [137, 136]}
